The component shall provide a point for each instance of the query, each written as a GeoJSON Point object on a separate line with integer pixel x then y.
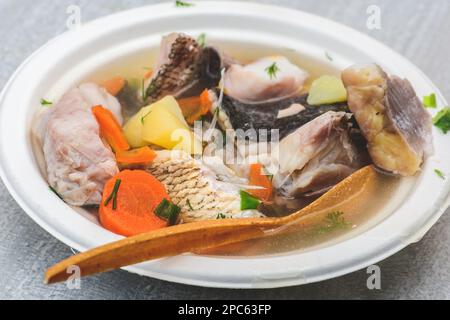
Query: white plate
{"type": "Point", "coordinates": [69, 58]}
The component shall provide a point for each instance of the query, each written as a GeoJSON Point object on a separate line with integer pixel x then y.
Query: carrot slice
{"type": "Point", "coordinates": [111, 129]}
{"type": "Point", "coordinates": [259, 179]}
{"type": "Point", "coordinates": [136, 200]}
{"type": "Point", "coordinates": [148, 74]}
{"type": "Point", "coordinates": [114, 85]}
{"type": "Point", "coordinates": [194, 108]}
{"type": "Point", "coordinates": [144, 156]}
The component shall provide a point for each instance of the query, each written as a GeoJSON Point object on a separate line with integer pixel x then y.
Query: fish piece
{"type": "Point", "coordinates": [316, 156]}
{"type": "Point", "coordinates": [78, 162]}
{"type": "Point", "coordinates": [234, 114]}
{"type": "Point", "coordinates": [184, 69]}
{"type": "Point", "coordinates": [95, 95]}
{"type": "Point", "coordinates": [204, 190]}
{"type": "Point", "coordinates": [267, 79]}
{"type": "Point", "coordinates": [391, 117]}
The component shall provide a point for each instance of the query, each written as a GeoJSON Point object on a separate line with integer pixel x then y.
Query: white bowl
{"type": "Point", "coordinates": [71, 57]}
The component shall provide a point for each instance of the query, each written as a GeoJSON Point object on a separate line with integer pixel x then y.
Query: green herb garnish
{"type": "Point", "coordinates": [168, 211]}
{"type": "Point", "coordinates": [202, 40]}
{"type": "Point", "coordinates": [328, 56]}
{"type": "Point", "coordinates": [440, 174]}
{"type": "Point", "coordinates": [113, 195]}
{"type": "Point", "coordinates": [430, 101]}
{"type": "Point", "coordinates": [183, 4]}
{"type": "Point", "coordinates": [442, 120]}
{"type": "Point", "coordinates": [334, 221]}
{"type": "Point", "coordinates": [249, 202]}
{"type": "Point", "coordinates": [221, 216]}
{"type": "Point", "coordinates": [56, 192]}
{"type": "Point", "coordinates": [272, 70]}
{"type": "Point", "coordinates": [189, 205]}
{"type": "Point", "coordinates": [144, 92]}
{"type": "Point", "coordinates": [46, 102]}
{"type": "Point", "coordinates": [145, 116]}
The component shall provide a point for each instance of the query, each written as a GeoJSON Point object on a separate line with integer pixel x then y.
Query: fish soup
{"type": "Point", "coordinates": [154, 140]}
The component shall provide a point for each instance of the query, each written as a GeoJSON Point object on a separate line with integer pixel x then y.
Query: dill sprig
{"type": "Point", "coordinates": [202, 40]}
{"type": "Point", "coordinates": [333, 221]}
{"type": "Point", "coordinates": [272, 70]}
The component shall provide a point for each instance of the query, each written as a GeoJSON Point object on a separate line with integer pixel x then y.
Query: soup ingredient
{"type": "Point", "coordinates": [439, 173]}
{"type": "Point", "coordinates": [248, 202]}
{"type": "Point", "coordinates": [202, 40]}
{"type": "Point", "coordinates": [136, 201]}
{"type": "Point", "coordinates": [114, 85]}
{"type": "Point", "coordinates": [234, 114]}
{"type": "Point", "coordinates": [294, 109]}
{"type": "Point", "coordinates": [267, 79]}
{"type": "Point", "coordinates": [202, 189]}
{"type": "Point", "coordinates": [181, 4]}
{"type": "Point", "coordinates": [194, 108]}
{"type": "Point", "coordinates": [430, 101]}
{"type": "Point", "coordinates": [184, 69]}
{"type": "Point", "coordinates": [334, 221]}
{"type": "Point", "coordinates": [110, 129]}
{"type": "Point", "coordinates": [46, 102]}
{"type": "Point", "coordinates": [166, 127]}
{"type": "Point", "coordinates": [442, 120]}
{"type": "Point", "coordinates": [113, 195]}
{"type": "Point", "coordinates": [95, 95]}
{"type": "Point", "coordinates": [258, 177]}
{"type": "Point", "coordinates": [326, 90]}
{"type": "Point", "coordinates": [168, 212]}
{"type": "Point", "coordinates": [142, 156]}
{"type": "Point", "coordinates": [316, 156]}
{"type": "Point", "coordinates": [78, 163]}
{"type": "Point", "coordinates": [129, 100]}
{"type": "Point", "coordinates": [391, 117]}
{"type": "Point", "coordinates": [162, 124]}
{"type": "Point", "coordinates": [133, 128]}
{"type": "Point", "coordinates": [272, 70]}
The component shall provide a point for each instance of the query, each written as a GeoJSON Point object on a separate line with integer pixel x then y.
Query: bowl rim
{"type": "Point", "coordinates": [316, 267]}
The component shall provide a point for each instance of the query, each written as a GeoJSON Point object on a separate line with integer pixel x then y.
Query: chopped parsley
{"type": "Point", "coordinates": [46, 102]}
{"type": "Point", "coordinates": [189, 205]}
{"type": "Point", "coordinates": [221, 216]}
{"type": "Point", "coordinates": [272, 70]}
{"type": "Point", "coordinates": [442, 120]}
{"type": "Point", "coordinates": [202, 40]}
{"type": "Point", "coordinates": [113, 195]}
{"type": "Point", "coordinates": [333, 221]}
{"type": "Point", "coordinates": [183, 4]}
{"type": "Point", "coordinates": [430, 101]}
{"type": "Point", "coordinates": [249, 202]}
{"type": "Point", "coordinates": [168, 211]}
{"type": "Point", "coordinates": [328, 56]}
{"type": "Point", "coordinates": [440, 174]}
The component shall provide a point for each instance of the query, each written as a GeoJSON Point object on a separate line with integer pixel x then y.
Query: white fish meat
{"type": "Point", "coordinates": [316, 156]}
{"type": "Point", "coordinates": [78, 162]}
{"type": "Point", "coordinates": [391, 117]}
{"type": "Point", "coordinates": [255, 82]}
{"type": "Point", "coordinates": [205, 190]}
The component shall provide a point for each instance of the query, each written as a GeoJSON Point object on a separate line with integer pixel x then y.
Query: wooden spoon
{"type": "Point", "coordinates": [204, 235]}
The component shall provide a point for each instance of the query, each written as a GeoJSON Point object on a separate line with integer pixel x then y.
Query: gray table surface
{"type": "Point", "coordinates": [418, 29]}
